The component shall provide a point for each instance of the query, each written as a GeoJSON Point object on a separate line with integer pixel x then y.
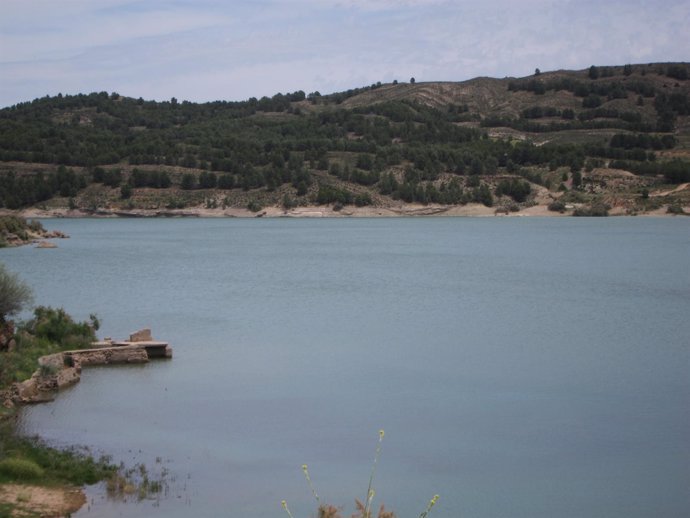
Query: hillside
{"type": "Point", "coordinates": [605, 139]}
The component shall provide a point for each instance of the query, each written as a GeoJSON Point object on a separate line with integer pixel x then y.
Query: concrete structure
{"type": "Point", "coordinates": [60, 370]}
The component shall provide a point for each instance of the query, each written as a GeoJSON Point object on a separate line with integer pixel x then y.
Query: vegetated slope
{"type": "Point", "coordinates": [588, 140]}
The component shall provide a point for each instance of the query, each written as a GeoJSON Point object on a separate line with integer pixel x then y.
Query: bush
{"type": "Point", "coordinates": [675, 208]}
{"type": "Point", "coordinates": [362, 200]}
{"type": "Point", "coordinates": [591, 101]}
{"type": "Point", "coordinates": [50, 331]}
{"type": "Point", "coordinates": [328, 194]}
{"type": "Point", "coordinates": [14, 293]}
{"type": "Point", "coordinates": [58, 327]}
{"type": "Point", "coordinates": [18, 226]}
{"type": "Point", "coordinates": [254, 206]}
{"type": "Point", "coordinates": [518, 190]}
{"type": "Point", "coordinates": [32, 459]}
{"type": "Point", "coordinates": [20, 469]}
{"type": "Point", "coordinates": [557, 206]}
{"type": "Point", "coordinates": [125, 191]}
{"type": "Point", "coordinates": [594, 210]}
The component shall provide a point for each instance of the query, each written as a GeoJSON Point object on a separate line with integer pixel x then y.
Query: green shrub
{"type": "Point", "coordinates": [15, 294]}
{"type": "Point", "coordinates": [15, 468]}
{"type": "Point", "coordinates": [29, 458]}
{"type": "Point", "coordinates": [254, 206]}
{"type": "Point", "coordinates": [50, 331]}
{"type": "Point", "coordinates": [575, 197]}
{"type": "Point", "coordinates": [594, 210]}
{"type": "Point", "coordinates": [675, 208]}
{"type": "Point", "coordinates": [6, 510]}
{"type": "Point", "coordinates": [556, 206]}
{"type": "Point", "coordinates": [58, 327]}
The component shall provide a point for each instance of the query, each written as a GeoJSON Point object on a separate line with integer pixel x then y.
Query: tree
{"type": "Point", "coordinates": [412, 80]}
{"type": "Point", "coordinates": [125, 191]}
{"type": "Point", "coordinates": [577, 179]}
{"type": "Point", "coordinates": [207, 180]}
{"type": "Point", "coordinates": [593, 72]}
{"type": "Point", "coordinates": [537, 72]}
{"type": "Point", "coordinates": [591, 101]}
{"type": "Point", "coordinates": [188, 182]}
{"type": "Point", "coordinates": [476, 166]}
{"type": "Point", "coordinates": [15, 294]}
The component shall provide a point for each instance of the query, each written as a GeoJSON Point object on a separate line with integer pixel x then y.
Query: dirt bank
{"type": "Point", "coordinates": [40, 501]}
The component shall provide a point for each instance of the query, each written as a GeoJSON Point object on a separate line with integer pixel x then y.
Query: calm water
{"type": "Point", "coordinates": [520, 367]}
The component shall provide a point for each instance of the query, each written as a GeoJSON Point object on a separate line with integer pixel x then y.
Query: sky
{"type": "Point", "coordinates": [206, 50]}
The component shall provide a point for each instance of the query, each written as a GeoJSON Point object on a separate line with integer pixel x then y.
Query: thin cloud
{"type": "Point", "coordinates": [207, 50]}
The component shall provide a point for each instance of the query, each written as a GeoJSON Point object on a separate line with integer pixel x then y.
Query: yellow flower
{"type": "Point", "coordinates": [284, 504]}
{"type": "Point", "coordinates": [381, 434]}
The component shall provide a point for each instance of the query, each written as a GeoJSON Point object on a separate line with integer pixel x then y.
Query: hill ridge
{"type": "Point", "coordinates": [560, 138]}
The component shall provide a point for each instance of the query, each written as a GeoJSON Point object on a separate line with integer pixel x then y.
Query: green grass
{"type": "Point", "coordinates": [49, 332]}
{"type": "Point", "coordinates": [23, 459]}
{"type": "Point", "coordinates": [18, 469]}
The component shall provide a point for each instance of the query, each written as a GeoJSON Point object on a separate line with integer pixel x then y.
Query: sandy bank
{"type": "Point", "coordinates": [319, 211]}
{"type": "Point", "coordinates": [42, 501]}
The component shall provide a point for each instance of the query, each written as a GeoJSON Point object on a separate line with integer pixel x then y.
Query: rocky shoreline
{"type": "Point", "coordinates": [15, 230]}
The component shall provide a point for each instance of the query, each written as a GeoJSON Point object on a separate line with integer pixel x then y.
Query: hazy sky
{"type": "Point", "coordinates": [204, 50]}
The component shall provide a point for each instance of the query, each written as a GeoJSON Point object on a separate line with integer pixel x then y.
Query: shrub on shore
{"type": "Point", "coordinates": [50, 331]}
{"type": "Point", "coordinates": [594, 210]}
{"type": "Point", "coordinates": [16, 468]}
{"type": "Point", "coordinates": [15, 294]}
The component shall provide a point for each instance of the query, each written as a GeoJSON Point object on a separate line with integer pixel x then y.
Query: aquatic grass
{"type": "Point", "coordinates": [431, 504]}
{"type": "Point", "coordinates": [370, 491]}
{"type": "Point", "coordinates": [363, 509]}
{"type": "Point", "coordinates": [305, 470]}
{"type": "Point", "coordinates": [137, 481]}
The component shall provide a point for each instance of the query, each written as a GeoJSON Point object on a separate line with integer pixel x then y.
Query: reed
{"type": "Point", "coordinates": [363, 509]}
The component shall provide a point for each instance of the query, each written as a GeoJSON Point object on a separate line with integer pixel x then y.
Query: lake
{"type": "Point", "coordinates": [520, 367]}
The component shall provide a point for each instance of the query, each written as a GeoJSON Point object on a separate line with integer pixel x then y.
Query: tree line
{"type": "Point", "coordinates": [270, 142]}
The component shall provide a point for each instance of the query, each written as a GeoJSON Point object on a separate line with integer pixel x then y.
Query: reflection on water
{"type": "Point", "coordinates": [519, 367]}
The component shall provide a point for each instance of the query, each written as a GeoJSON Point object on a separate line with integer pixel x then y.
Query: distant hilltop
{"type": "Point", "coordinates": [604, 140]}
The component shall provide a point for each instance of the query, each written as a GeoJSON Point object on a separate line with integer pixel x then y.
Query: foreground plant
{"type": "Point", "coordinates": [363, 509]}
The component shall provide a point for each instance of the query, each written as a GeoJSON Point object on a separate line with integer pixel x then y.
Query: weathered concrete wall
{"type": "Point", "coordinates": [143, 335]}
{"type": "Point", "coordinates": [107, 356]}
{"type": "Point", "coordinates": [60, 370]}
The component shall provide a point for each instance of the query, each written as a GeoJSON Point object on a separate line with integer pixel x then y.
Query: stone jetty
{"type": "Point", "coordinates": [60, 370]}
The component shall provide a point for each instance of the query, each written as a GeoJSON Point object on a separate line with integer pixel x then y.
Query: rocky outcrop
{"type": "Point", "coordinates": [17, 231]}
{"type": "Point", "coordinates": [45, 244]}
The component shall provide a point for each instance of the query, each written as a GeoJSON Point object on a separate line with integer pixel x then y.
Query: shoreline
{"type": "Point", "coordinates": [320, 211]}
{"type": "Point", "coordinates": [64, 370]}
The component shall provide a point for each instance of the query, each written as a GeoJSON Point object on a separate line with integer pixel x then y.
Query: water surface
{"type": "Point", "coordinates": [520, 367]}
